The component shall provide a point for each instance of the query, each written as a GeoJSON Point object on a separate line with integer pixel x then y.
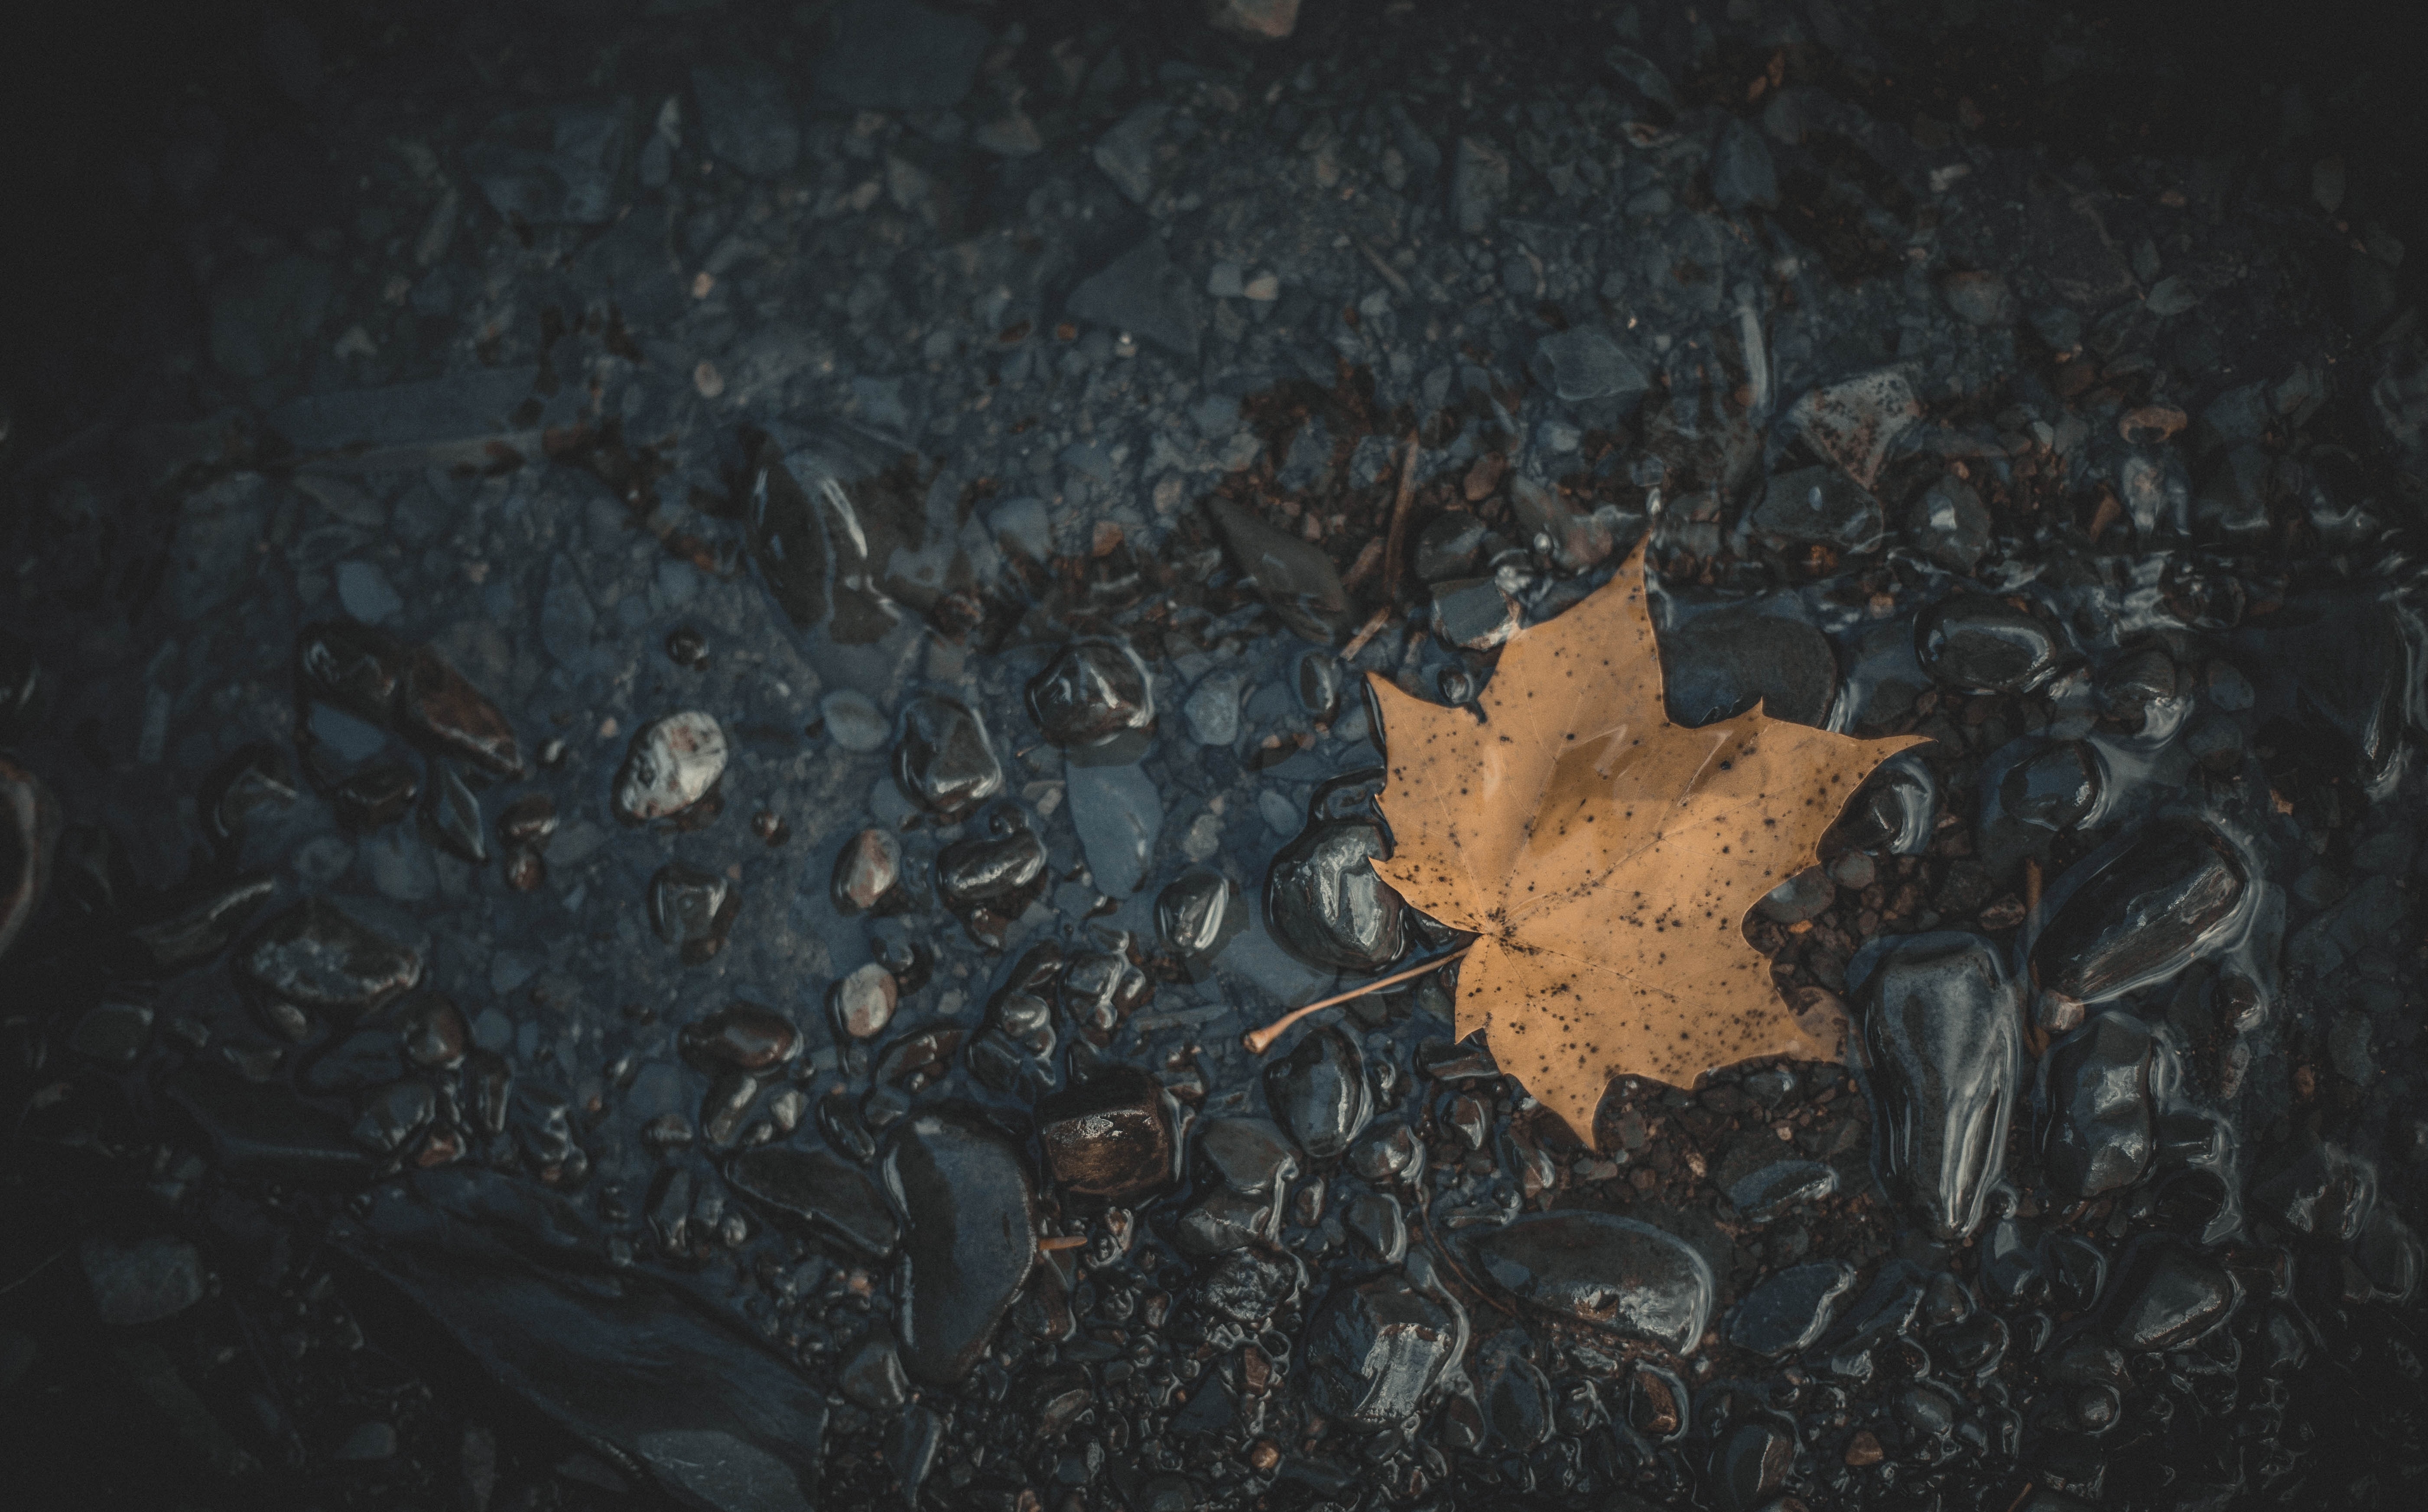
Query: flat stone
{"type": "Point", "coordinates": [1143, 292]}
{"type": "Point", "coordinates": [971, 1239]}
{"type": "Point", "coordinates": [442, 710]}
{"type": "Point", "coordinates": [1614, 1276]}
{"type": "Point", "coordinates": [1790, 1310]}
{"type": "Point", "coordinates": [317, 956]}
{"type": "Point", "coordinates": [672, 764]}
{"type": "Point", "coordinates": [141, 1282]}
{"type": "Point", "coordinates": [818, 1196]}
{"type": "Point", "coordinates": [1110, 1137]}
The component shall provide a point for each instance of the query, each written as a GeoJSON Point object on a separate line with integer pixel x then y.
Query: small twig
{"type": "Point", "coordinates": [1390, 275]}
{"type": "Point", "coordinates": [1056, 1242]}
{"type": "Point", "coordinates": [1373, 627]}
{"type": "Point", "coordinates": [1394, 557]}
{"type": "Point", "coordinates": [1262, 1039]}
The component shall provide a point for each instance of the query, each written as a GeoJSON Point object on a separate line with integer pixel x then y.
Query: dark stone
{"type": "Point", "coordinates": [989, 881]}
{"type": "Point", "coordinates": [1752, 1462]}
{"type": "Point", "coordinates": [369, 1057]}
{"type": "Point", "coordinates": [1971, 643]}
{"type": "Point", "coordinates": [1616, 1276]}
{"type": "Point", "coordinates": [1094, 692]}
{"type": "Point", "coordinates": [451, 815]}
{"type": "Point", "coordinates": [263, 1133]}
{"type": "Point", "coordinates": [1199, 914]}
{"type": "Point", "coordinates": [1473, 612]}
{"type": "Point", "coordinates": [29, 832]}
{"type": "Point", "coordinates": [1376, 1351]}
{"type": "Point", "coordinates": [1449, 545]}
{"type": "Point", "coordinates": [874, 1377]}
{"type": "Point", "coordinates": [389, 1118]}
{"type": "Point", "coordinates": [1319, 1093]}
{"type": "Point", "coordinates": [692, 910]}
{"type": "Point", "coordinates": [2099, 1133]}
{"type": "Point", "coordinates": [971, 1239]}
{"type": "Point", "coordinates": [817, 1196]}
{"type": "Point", "coordinates": [866, 870]}
{"type": "Point", "coordinates": [317, 957]}
{"type": "Point", "coordinates": [376, 795]}
{"type": "Point", "coordinates": [1112, 1136]}
{"type": "Point", "coordinates": [1819, 505]}
{"type": "Point", "coordinates": [1943, 1035]}
{"type": "Point", "coordinates": [1894, 813]}
{"type": "Point", "coordinates": [1225, 1220]}
{"type": "Point", "coordinates": [113, 1031]}
{"type": "Point", "coordinates": [1143, 292]}
{"type": "Point", "coordinates": [448, 715]}
{"type": "Point", "coordinates": [529, 821]}
{"type": "Point", "coordinates": [2167, 1295]}
{"type": "Point", "coordinates": [1250, 1155]}
{"type": "Point", "coordinates": [2319, 1188]}
{"type": "Point", "coordinates": [1790, 1311]}
{"type": "Point", "coordinates": [434, 1033]}
{"type": "Point", "coordinates": [744, 1037]}
{"type": "Point", "coordinates": [2143, 916]}
{"type": "Point", "coordinates": [1377, 1219]}
{"type": "Point", "coordinates": [353, 666]}
{"type": "Point", "coordinates": [635, 1372]}
{"type": "Point", "coordinates": [1517, 1397]}
{"type": "Point", "coordinates": [256, 776]}
{"type": "Point", "coordinates": [1293, 575]}
{"type": "Point", "coordinates": [1718, 664]}
{"type": "Point", "coordinates": [190, 928]}
{"type": "Point", "coordinates": [1326, 903]}
{"type": "Point", "coordinates": [1251, 1284]}
{"type": "Point", "coordinates": [2054, 787]}
{"type": "Point", "coordinates": [1390, 1152]}
{"type": "Point", "coordinates": [943, 759]}
{"type": "Point", "coordinates": [1764, 1193]}
{"type": "Point", "coordinates": [141, 1282]}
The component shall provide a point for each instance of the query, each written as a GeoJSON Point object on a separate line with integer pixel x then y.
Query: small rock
{"type": "Point", "coordinates": [2099, 1134]}
{"type": "Point", "coordinates": [1475, 613]}
{"type": "Point", "coordinates": [863, 1002]}
{"type": "Point", "coordinates": [874, 1377]}
{"type": "Point", "coordinates": [744, 1037]}
{"type": "Point", "coordinates": [445, 713]}
{"type": "Point", "coordinates": [867, 870]}
{"type": "Point", "coordinates": [1975, 643]}
{"type": "Point", "coordinates": [1198, 914]}
{"type": "Point", "coordinates": [1479, 181]}
{"type": "Point", "coordinates": [1618, 1276]}
{"type": "Point", "coordinates": [1979, 298]}
{"type": "Point", "coordinates": [1094, 692]}
{"type": "Point", "coordinates": [944, 760]}
{"type": "Point", "coordinates": [816, 1196]}
{"type": "Point", "coordinates": [1319, 1093]}
{"type": "Point", "coordinates": [1788, 1312]}
{"type": "Point", "coordinates": [1248, 1156]}
{"type": "Point", "coordinates": [1326, 903]}
{"type": "Point", "coordinates": [1818, 505]}
{"type": "Point", "coordinates": [1110, 1137]}
{"type": "Point", "coordinates": [1119, 816]}
{"type": "Point", "coordinates": [317, 956]}
{"type": "Point", "coordinates": [1951, 525]}
{"type": "Point", "coordinates": [1257, 21]}
{"type": "Point", "coordinates": [1941, 1032]}
{"type": "Point", "coordinates": [854, 722]}
{"type": "Point", "coordinates": [671, 766]}
{"type": "Point", "coordinates": [1376, 1351]}
{"type": "Point", "coordinates": [1765, 1193]}
{"type": "Point", "coordinates": [1144, 293]}
{"type": "Point", "coordinates": [1721, 663]}
{"type": "Point", "coordinates": [141, 1282]}
{"type": "Point", "coordinates": [1293, 575]}
{"type": "Point", "coordinates": [970, 1243]}
{"type": "Point", "coordinates": [2167, 1294]}
{"type": "Point", "coordinates": [692, 909]}
{"type": "Point", "coordinates": [1213, 709]}
{"type": "Point", "coordinates": [1584, 364]}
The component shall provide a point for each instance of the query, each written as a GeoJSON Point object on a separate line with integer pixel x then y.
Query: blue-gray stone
{"type": "Point", "coordinates": [1119, 815]}
{"type": "Point", "coordinates": [1787, 1312]}
{"type": "Point", "coordinates": [365, 591]}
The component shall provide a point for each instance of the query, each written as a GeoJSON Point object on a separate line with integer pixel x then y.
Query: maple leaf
{"type": "Point", "coordinates": [1606, 858]}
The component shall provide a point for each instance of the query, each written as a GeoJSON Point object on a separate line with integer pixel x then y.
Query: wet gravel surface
{"type": "Point", "coordinates": [654, 762]}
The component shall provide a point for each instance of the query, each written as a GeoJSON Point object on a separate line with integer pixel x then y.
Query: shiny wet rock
{"type": "Point", "coordinates": [674, 763]}
{"type": "Point", "coordinates": [1944, 1056]}
{"type": "Point", "coordinates": [1377, 1350]}
{"type": "Point", "coordinates": [1612, 1275]}
{"type": "Point", "coordinates": [969, 1239]}
{"type": "Point", "coordinates": [1319, 1093]}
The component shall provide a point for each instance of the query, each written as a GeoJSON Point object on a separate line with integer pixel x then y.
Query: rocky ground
{"type": "Point", "coordinates": [674, 675]}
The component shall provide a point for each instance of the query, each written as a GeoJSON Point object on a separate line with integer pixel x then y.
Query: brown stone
{"type": "Point", "coordinates": [869, 868]}
{"type": "Point", "coordinates": [1111, 1137]}
{"type": "Point", "coordinates": [744, 1037]}
{"type": "Point", "coordinates": [1864, 1449]}
{"type": "Point", "coordinates": [443, 709]}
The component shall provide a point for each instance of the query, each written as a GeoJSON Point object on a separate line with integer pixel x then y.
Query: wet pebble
{"type": "Point", "coordinates": [1327, 905]}
{"type": "Point", "coordinates": [1111, 1137]}
{"type": "Point", "coordinates": [1198, 914]}
{"type": "Point", "coordinates": [874, 1379]}
{"type": "Point", "coordinates": [1819, 505]}
{"type": "Point", "coordinates": [1378, 1222]}
{"type": "Point", "coordinates": [1790, 1310]}
{"type": "Point", "coordinates": [671, 766]}
{"type": "Point", "coordinates": [867, 870]}
{"type": "Point", "coordinates": [862, 1002]}
{"type": "Point", "coordinates": [2167, 1295]}
{"type": "Point", "coordinates": [2145, 913]}
{"type": "Point", "coordinates": [692, 910]}
{"type": "Point", "coordinates": [1973, 643]}
{"type": "Point", "coordinates": [816, 1196]}
{"type": "Point", "coordinates": [1319, 1093]}
{"type": "Point", "coordinates": [1119, 815]}
{"type": "Point", "coordinates": [970, 1239]}
{"type": "Point", "coordinates": [2100, 1135]}
{"type": "Point", "coordinates": [854, 722]}
{"type": "Point", "coordinates": [451, 815]}
{"type": "Point", "coordinates": [2054, 787]}
{"type": "Point", "coordinates": [944, 759]}
{"type": "Point", "coordinates": [1094, 691]}
{"type": "Point", "coordinates": [1248, 1156]}
{"type": "Point", "coordinates": [1752, 1462]}
{"type": "Point", "coordinates": [1614, 1275]}
{"type": "Point", "coordinates": [988, 881]}
{"type": "Point", "coordinates": [1721, 664]}
{"type": "Point", "coordinates": [1475, 613]}
{"type": "Point", "coordinates": [353, 666]}
{"type": "Point", "coordinates": [386, 1119]}
{"type": "Point", "coordinates": [255, 776]}
{"type": "Point", "coordinates": [433, 1032]}
{"type": "Point", "coordinates": [316, 956]}
{"type": "Point", "coordinates": [375, 795]}
{"type": "Point", "coordinates": [142, 1281]}
{"type": "Point", "coordinates": [1213, 709]}
{"type": "Point", "coordinates": [191, 926]}
{"type": "Point", "coordinates": [1249, 1284]}
{"type": "Point", "coordinates": [444, 713]}
{"type": "Point", "coordinates": [1762, 1195]}
{"type": "Point", "coordinates": [1943, 1055]}
{"type": "Point", "coordinates": [2318, 1188]}
{"type": "Point", "coordinates": [744, 1037]}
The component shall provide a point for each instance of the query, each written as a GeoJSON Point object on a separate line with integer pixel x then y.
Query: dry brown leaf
{"type": "Point", "coordinates": [1607, 857]}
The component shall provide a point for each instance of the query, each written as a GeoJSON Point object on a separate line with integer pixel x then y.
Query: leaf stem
{"type": "Point", "coordinates": [1262, 1039]}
